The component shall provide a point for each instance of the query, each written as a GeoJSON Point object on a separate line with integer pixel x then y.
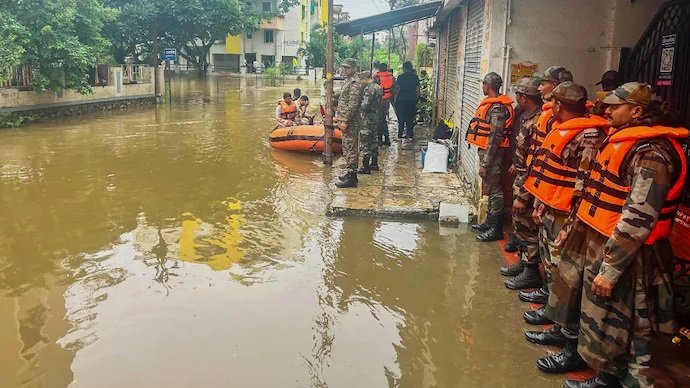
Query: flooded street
{"type": "Point", "coordinates": [171, 247]}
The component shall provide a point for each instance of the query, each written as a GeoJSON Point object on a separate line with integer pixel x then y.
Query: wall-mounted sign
{"type": "Point", "coordinates": [668, 51]}
{"type": "Point", "coordinates": [292, 42]}
{"type": "Point", "coordinates": [520, 70]}
{"type": "Point", "coordinates": [170, 54]}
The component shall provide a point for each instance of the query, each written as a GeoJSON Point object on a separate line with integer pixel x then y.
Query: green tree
{"type": "Point", "coordinates": [11, 44]}
{"type": "Point", "coordinates": [425, 55]}
{"type": "Point", "coordinates": [356, 47]}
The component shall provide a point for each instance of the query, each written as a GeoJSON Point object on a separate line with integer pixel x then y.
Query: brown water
{"type": "Point", "coordinates": [171, 247]}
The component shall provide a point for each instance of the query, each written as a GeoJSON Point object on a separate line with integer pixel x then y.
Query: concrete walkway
{"type": "Point", "coordinates": [400, 189]}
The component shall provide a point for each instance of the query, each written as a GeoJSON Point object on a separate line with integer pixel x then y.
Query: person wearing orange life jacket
{"type": "Point", "coordinates": [489, 131]}
{"type": "Point", "coordinates": [286, 111]}
{"type": "Point", "coordinates": [620, 238]}
{"type": "Point", "coordinates": [385, 79]}
{"type": "Point", "coordinates": [556, 179]}
{"type": "Point", "coordinates": [552, 77]}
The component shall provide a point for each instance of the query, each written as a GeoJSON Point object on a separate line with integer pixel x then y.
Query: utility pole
{"type": "Point", "coordinates": [328, 120]}
{"type": "Point", "coordinates": [154, 61]}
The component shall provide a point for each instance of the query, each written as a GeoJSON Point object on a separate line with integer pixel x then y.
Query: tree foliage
{"type": "Point", "coordinates": [425, 55]}
{"type": "Point", "coordinates": [315, 49]}
{"type": "Point", "coordinates": [60, 40]}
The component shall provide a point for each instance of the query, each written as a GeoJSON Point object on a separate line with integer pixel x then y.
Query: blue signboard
{"type": "Point", "coordinates": [170, 54]}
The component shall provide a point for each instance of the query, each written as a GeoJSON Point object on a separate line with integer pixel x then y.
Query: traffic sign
{"type": "Point", "coordinates": [170, 54]}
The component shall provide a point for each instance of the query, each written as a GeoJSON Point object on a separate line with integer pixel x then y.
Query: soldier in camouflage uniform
{"type": "Point", "coordinates": [622, 246]}
{"type": "Point", "coordinates": [369, 114]}
{"type": "Point", "coordinates": [526, 273]}
{"type": "Point", "coordinates": [349, 121]}
{"type": "Point", "coordinates": [556, 179]}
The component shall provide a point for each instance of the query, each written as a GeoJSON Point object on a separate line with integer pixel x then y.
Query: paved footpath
{"type": "Point", "coordinates": [400, 189]}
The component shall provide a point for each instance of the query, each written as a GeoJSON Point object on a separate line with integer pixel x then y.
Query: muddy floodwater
{"type": "Point", "coordinates": [171, 247]}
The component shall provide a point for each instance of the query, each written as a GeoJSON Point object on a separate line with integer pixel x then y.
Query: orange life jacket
{"type": "Point", "coordinates": [549, 179]}
{"type": "Point", "coordinates": [386, 83]}
{"type": "Point", "coordinates": [605, 192]}
{"type": "Point", "coordinates": [287, 112]}
{"type": "Point", "coordinates": [545, 123]}
{"type": "Point", "coordinates": [479, 129]}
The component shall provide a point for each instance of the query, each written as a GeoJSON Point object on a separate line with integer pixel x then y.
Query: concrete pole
{"type": "Point", "coordinates": [371, 62]}
{"type": "Point", "coordinates": [327, 156]}
{"type": "Point", "coordinates": [154, 61]}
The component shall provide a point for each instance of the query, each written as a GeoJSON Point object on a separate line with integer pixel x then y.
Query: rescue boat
{"type": "Point", "coordinates": [303, 138]}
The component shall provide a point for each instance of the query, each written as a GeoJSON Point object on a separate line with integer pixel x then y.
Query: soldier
{"type": "Point", "coordinates": [620, 238]}
{"type": "Point", "coordinates": [369, 113]}
{"type": "Point", "coordinates": [348, 121]}
{"type": "Point", "coordinates": [526, 273]}
{"type": "Point", "coordinates": [552, 77]}
{"type": "Point", "coordinates": [610, 80]}
{"type": "Point", "coordinates": [556, 179]}
{"type": "Point", "coordinates": [489, 130]}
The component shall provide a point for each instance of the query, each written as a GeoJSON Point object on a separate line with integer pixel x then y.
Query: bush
{"type": "Point", "coordinates": [11, 120]}
{"type": "Point", "coordinates": [275, 74]}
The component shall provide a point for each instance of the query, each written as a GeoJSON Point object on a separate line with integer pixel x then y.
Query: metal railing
{"type": "Point", "coordinates": [136, 74]}
{"type": "Point", "coordinates": [19, 77]}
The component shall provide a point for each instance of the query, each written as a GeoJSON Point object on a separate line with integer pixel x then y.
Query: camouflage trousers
{"type": "Point", "coordinates": [616, 332]}
{"type": "Point", "coordinates": [492, 183]}
{"type": "Point", "coordinates": [382, 133]}
{"type": "Point", "coordinates": [369, 145]}
{"type": "Point", "coordinates": [527, 232]}
{"type": "Point", "coordinates": [549, 252]}
{"type": "Point", "coordinates": [351, 147]}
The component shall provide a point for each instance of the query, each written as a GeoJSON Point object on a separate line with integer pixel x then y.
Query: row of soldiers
{"type": "Point", "coordinates": [594, 201]}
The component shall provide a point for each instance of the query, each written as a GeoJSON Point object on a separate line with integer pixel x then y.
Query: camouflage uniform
{"type": "Point", "coordinates": [523, 224]}
{"type": "Point", "coordinates": [492, 158]}
{"type": "Point", "coordinates": [348, 113]}
{"type": "Point", "coordinates": [616, 332]}
{"type": "Point", "coordinates": [369, 113]}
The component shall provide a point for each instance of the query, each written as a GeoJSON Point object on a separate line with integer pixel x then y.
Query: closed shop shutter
{"type": "Point", "coordinates": [442, 66]}
{"type": "Point", "coordinates": [452, 65]}
{"type": "Point", "coordinates": [471, 86]}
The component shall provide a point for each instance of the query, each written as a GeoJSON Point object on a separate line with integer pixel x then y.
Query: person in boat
{"type": "Point", "coordinates": [303, 115]}
{"type": "Point", "coordinates": [286, 111]}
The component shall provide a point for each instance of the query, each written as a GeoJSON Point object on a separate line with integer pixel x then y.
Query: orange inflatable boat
{"type": "Point", "coordinates": [303, 138]}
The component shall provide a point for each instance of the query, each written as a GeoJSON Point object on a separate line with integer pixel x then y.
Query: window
{"type": "Point", "coordinates": [304, 12]}
{"type": "Point", "coordinates": [268, 36]}
{"type": "Point", "coordinates": [266, 6]}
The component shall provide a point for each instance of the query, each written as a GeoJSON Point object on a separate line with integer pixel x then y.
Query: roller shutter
{"type": "Point", "coordinates": [451, 80]}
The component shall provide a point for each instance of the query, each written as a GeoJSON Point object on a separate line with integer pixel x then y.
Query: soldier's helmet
{"type": "Point", "coordinates": [528, 86]}
{"type": "Point", "coordinates": [557, 75]}
{"type": "Point", "coordinates": [570, 93]}
{"type": "Point", "coordinates": [493, 80]}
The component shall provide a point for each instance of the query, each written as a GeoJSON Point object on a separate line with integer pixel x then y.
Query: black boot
{"type": "Point", "coordinates": [540, 296]}
{"type": "Point", "coordinates": [495, 231]}
{"type": "Point", "coordinates": [568, 360]}
{"type": "Point", "coordinates": [536, 317]}
{"type": "Point", "coordinates": [349, 181]}
{"type": "Point", "coordinates": [513, 243]}
{"type": "Point", "coordinates": [513, 270]}
{"type": "Point", "coordinates": [365, 169]}
{"type": "Point", "coordinates": [374, 163]}
{"type": "Point", "coordinates": [602, 380]}
{"type": "Point", "coordinates": [530, 277]}
{"type": "Point", "coordinates": [481, 228]}
{"type": "Point", "coordinates": [550, 337]}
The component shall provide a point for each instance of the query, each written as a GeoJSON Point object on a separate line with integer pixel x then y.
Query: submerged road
{"type": "Point", "coordinates": [171, 247]}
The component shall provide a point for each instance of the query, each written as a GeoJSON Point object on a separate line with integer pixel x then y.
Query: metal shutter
{"type": "Point", "coordinates": [471, 84]}
{"type": "Point", "coordinates": [451, 80]}
{"type": "Point", "coordinates": [442, 56]}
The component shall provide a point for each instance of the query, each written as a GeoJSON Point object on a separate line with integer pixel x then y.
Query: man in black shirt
{"type": "Point", "coordinates": [405, 97]}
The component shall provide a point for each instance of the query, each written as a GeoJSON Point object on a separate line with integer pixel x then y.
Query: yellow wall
{"type": "Point", "coordinates": [233, 44]}
{"type": "Point", "coordinates": [324, 12]}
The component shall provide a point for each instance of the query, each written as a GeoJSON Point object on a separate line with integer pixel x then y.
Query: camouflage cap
{"type": "Point", "coordinates": [528, 86]}
{"type": "Point", "coordinates": [349, 62]}
{"type": "Point", "coordinates": [364, 74]}
{"type": "Point", "coordinates": [556, 74]}
{"type": "Point", "coordinates": [570, 93]}
{"type": "Point", "coordinates": [493, 80]}
{"type": "Point", "coordinates": [638, 93]}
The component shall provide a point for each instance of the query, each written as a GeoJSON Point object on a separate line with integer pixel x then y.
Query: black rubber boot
{"type": "Point", "coordinates": [536, 317]}
{"type": "Point", "coordinates": [602, 380]}
{"type": "Point", "coordinates": [530, 277]}
{"type": "Point", "coordinates": [550, 337]}
{"type": "Point", "coordinates": [540, 296]}
{"type": "Point", "coordinates": [481, 228]}
{"type": "Point", "coordinates": [568, 360]}
{"type": "Point", "coordinates": [349, 181]}
{"type": "Point", "coordinates": [365, 169]}
{"type": "Point", "coordinates": [513, 243]}
{"type": "Point", "coordinates": [513, 270]}
{"type": "Point", "coordinates": [495, 231]}
{"type": "Point", "coordinates": [374, 163]}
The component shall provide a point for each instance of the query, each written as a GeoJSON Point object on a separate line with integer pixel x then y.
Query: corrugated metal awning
{"type": "Point", "coordinates": [387, 20]}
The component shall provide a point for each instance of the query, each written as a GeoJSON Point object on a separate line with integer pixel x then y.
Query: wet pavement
{"type": "Point", "coordinates": [400, 189]}
{"type": "Point", "coordinates": [172, 247]}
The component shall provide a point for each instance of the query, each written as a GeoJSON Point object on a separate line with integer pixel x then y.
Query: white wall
{"type": "Point", "coordinates": [291, 34]}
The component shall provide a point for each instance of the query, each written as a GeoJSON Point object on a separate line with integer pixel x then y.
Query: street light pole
{"type": "Point", "coordinates": [328, 120]}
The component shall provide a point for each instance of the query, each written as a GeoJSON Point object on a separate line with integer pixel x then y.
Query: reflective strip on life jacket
{"type": "Point", "coordinates": [480, 128]}
{"type": "Point", "coordinates": [549, 179]}
{"type": "Point", "coordinates": [606, 192]}
{"type": "Point", "coordinates": [386, 83]}
{"type": "Point", "coordinates": [287, 112]}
